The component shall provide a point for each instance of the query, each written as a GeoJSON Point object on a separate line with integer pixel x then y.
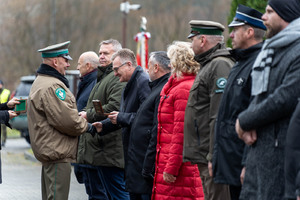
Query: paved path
{"type": "Point", "coordinates": [21, 177]}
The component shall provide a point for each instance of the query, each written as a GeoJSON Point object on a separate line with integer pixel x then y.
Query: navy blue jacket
{"type": "Point", "coordinates": [84, 89]}
{"type": "Point", "coordinates": [228, 148]}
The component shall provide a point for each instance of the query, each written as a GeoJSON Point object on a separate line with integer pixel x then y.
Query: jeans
{"type": "Point", "coordinates": [113, 179]}
{"type": "Point", "coordinates": [93, 183]}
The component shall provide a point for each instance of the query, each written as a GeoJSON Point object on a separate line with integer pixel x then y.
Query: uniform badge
{"type": "Point", "coordinates": [240, 81]}
{"type": "Point", "coordinates": [221, 83]}
{"type": "Point", "coordinates": [60, 93]}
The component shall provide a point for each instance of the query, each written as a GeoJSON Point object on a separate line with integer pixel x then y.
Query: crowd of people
{"type": "Point", "coordinates": [203, 122]}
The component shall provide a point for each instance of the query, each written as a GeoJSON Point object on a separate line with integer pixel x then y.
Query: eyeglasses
{"type": "Point", "coordinates": [117, 68]}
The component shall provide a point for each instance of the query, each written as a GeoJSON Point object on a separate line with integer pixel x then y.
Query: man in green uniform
{"type": "Point", "coordinates": [203, 102]}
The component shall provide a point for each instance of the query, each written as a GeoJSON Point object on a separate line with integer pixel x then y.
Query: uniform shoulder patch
{"type": "Point", "coordinates": [221, 83]}
{"type": "Point", "coordinates": [60, 93]}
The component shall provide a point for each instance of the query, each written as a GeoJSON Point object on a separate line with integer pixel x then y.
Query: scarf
{"type": "Point", "coordinates": [263, 63]}
{"type": "Point", "coordinates": [47, 70]}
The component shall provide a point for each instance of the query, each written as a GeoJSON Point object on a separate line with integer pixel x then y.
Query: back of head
{"type": "Point", "coordinates": [288, 10]}
{"type": "Point", "coordinates": [90, 57]}
{"type": "Point", "coordinates": [125, 55]}
{"type": "Point", "coordinates": [182, 58]}
{"type": "Point", "coordinates": [161, 58]}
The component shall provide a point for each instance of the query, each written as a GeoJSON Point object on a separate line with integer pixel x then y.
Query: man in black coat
{"type": "Point", "coordinates": [247, 35]}
{"type": "Point", "coordinates": [275, 90]}
{"type": "Point", "coordinates": [143, 135]}
{"type": "Point", "coordinates": [134, 94]}
{"type": "Point", "coordinates": [5, 114]}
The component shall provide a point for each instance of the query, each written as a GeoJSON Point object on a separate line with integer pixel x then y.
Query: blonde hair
{"type": "Point", "coordinates": [182, 58]}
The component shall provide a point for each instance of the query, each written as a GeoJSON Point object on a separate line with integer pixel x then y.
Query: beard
{"type": "Point", "coordinates": [272, 31]}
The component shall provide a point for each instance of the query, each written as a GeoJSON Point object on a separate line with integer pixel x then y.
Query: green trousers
{"type": "Point", "coordinates": [56, 181]}
{"type": "Point", "coordinates": [212, 191]}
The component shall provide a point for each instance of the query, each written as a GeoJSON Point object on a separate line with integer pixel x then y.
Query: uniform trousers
{"type": "Point", "coordinates": [212, 191]}
{"type": "Point", "coordinates": [56, 181]}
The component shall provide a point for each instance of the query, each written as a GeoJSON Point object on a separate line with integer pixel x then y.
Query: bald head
{"type": "Point", "coordinates": [87, 62]}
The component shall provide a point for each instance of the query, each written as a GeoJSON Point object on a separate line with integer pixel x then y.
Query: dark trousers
{"type": "Point", "coordinates": [113, 179]}
{"type": "Point", "coordinates": [94, 186]}
{"type": "Point", "coordinates": [135, 196]}
{"type": "Point", "coordinates": [235, 192]}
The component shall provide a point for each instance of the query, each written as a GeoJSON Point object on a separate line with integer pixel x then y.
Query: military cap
{"type": "Point", "coordinates": [245, 15]}
{"type": "Point", "coordinates": [56, 50]}
{"type": "Point", "coordinates": [200, 27]}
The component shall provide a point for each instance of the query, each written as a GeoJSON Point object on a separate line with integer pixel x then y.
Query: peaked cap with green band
{"type": "Point", "coordinates": [201, 27]}
{"type": "Point", "coordinates": [56, 50]}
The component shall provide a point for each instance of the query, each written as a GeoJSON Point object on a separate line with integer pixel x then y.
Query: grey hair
{"type": "Point", "coordinates": [115, 43]}
{"type": "Point", "coordinates": [161, 58]}
{"type": "Point", "coordinates": [126, 55]}
{"type": "Point", "coordinates": [215, 39]}
{"type": "Point", "coordinates": [91, 57]}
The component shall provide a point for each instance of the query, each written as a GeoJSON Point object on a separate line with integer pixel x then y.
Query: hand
{"type": "Point", "coordinates": [169, 178]}
{"type": "Point", "coordinates": [242, 176]}
{"type": "Point", "coordinates": [210, 171]}
{"type": "Point", "coordinates": [83, 114]}
{"type": "Point", "coordinates": [298, 198]}
{"type": "Point", "coordinates": [12, 114]}
{"type": "Point", "coordinates": [249, 137]}
{"type": "Point", "coordinates": [98, 126]}
{"type": "Point", "coordinates": [113, 117]}
{"type": "Point", "coordinates": [238, 128]}
{"type": "Point", "coordinates": [13, 102]}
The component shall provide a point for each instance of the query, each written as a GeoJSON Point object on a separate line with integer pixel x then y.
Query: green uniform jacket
{"type": "Point", "coordinates": [103, 150]}
{"type": "Point", "coordinates": [203, 104]}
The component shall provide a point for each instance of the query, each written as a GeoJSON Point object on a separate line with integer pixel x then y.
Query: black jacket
{"type": "Point", "coordinates": [84, 89]}
{"type": "Point", "coordinates": [142, 142]}
{"type": "Point", "coordinates": [4, 118]}
{"type": "Point", "coordinates": [228, 148]}
{"type": "Point", "coordinates": [292, 155]}
{"type": "Point", "coordinates": [134, 94]}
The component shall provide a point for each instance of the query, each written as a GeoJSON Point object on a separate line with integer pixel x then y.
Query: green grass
{"type": "Point", "coordinates": [13, 133]}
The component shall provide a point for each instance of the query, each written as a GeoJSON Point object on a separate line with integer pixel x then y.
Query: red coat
{"type": "Point", "coordinates": [169, 147]}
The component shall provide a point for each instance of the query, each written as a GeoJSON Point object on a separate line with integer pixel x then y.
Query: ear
{"type": "Point", "coordinates": [250, 32]}
{"type": "Point", "coordinates": [55, 61]}
{"type": "Point", "coordinates": [203, 40]}
{"type": "Point", "coordinates": [156, 68]}
{"type": "Point", "coordinates": [88, 66]}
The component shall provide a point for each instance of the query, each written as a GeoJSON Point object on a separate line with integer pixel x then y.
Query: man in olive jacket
{"type": "Point", "coordinates": [106, 153]}
{"type": "Point", "coordinates": [203, 103]}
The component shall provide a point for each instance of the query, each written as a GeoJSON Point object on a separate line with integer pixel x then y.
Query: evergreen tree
{"type": "Point", "coordinates": [259, 5]}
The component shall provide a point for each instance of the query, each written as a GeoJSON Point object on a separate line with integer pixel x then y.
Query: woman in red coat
{"type": "Point", "coordinates": [174, 179]}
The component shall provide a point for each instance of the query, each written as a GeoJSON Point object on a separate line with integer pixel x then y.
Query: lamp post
{"type": "Point", "coordinates": [125, 7]}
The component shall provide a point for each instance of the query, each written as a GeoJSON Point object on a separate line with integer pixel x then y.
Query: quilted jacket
{"type": "Point", "coordinates": [169, 147]}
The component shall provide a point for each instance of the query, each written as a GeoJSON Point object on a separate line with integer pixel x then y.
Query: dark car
{"type": "Point", "coordinates": [20, 122]}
